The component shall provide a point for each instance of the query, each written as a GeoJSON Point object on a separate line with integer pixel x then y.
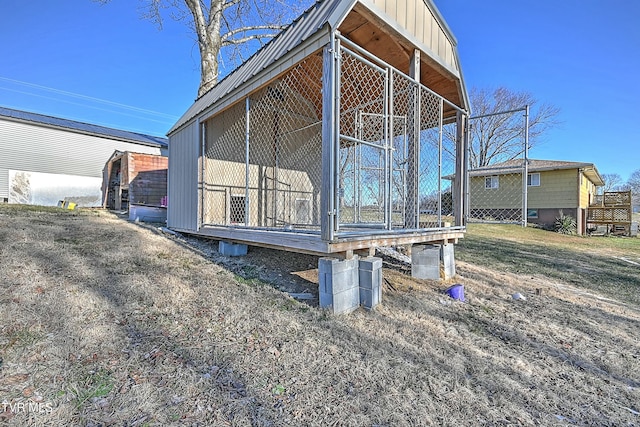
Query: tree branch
{"type": "Point", "coordinates": [217, 23]}
{"type": "Point", "coordinates": [246, 39]}
{"type": "Point", "coordinates": [227, 36]}
{"type": "Point", "coordinates": [229, 4]}
{"type": "Point", "coordinates": [199, 19]}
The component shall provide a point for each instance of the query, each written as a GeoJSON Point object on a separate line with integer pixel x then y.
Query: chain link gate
{"type": "Point", "coordinates": [497, 191]}
{"type": "Point", "coordinates": [364, 150]}
{"type": "Point", "coordinates": [397, 157]}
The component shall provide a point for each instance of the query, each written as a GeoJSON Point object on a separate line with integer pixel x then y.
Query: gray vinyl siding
{"type": "Point", "coordinates": [35, 148]}
{"type": "Point", "coordinates": [184, 152]}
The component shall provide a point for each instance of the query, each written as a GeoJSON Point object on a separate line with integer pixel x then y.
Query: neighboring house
{"type": "Point", "coordinates": [137, 182]}
{"type": "Point", "coordinates": [45, 159]}
{"type": "Point", "coordinates": [552, 186]}
{"type": "Point", "coordinates": [324, 140]}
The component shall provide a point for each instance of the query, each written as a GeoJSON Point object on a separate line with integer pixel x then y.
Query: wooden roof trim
{"type": "Point", "coordinates": [383, 19]}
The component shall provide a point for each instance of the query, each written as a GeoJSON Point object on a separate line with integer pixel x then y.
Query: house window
{"type": "Point", "coordinates": [491, 182]}
{"type": "Point", "coordinates": [532, 213]}
{"type": "Point", "coordinates": [533, 180]}
{"type": "Point", "coordinates": [237, 209]}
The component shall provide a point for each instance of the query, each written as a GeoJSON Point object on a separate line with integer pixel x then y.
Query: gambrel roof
{"type": "Point", "coordinates": [391, 29]}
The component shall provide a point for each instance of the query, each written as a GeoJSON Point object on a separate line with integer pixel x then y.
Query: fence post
{"type": "Point", "coordinates": [246, 172]}
{"type": "Point", "coordinates": [525, 188]}
{"type": "Point", "coordinates": [327, 197]}
{"type": "Point", "coordinates": [412, 218]}
{"type": "Point", "coordinates": [459, 180]}
{"type": "Point", "coordinates": [203, 171]}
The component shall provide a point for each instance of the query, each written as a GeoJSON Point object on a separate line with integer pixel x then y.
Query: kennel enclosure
{"type": "Point", "coordinates": [335, 137]}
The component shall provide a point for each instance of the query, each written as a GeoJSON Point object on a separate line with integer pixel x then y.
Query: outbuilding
{"type": "Point", "coordinates": [46, 159]}
{"type": "Point", "coordinates": [332, 139]}
{"type": "Point", "coordinates": [136, 182]}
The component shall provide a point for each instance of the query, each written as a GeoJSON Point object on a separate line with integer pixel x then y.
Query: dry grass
{"type": "Point", "coordinates": [108, 323]}
{"type": "Point", "coordinates": [608, 265]}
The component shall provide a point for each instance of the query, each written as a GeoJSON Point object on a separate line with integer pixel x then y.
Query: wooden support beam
{"type": "Point", "coordinates": [314, 244]}
{"type": "Point", "coordinates": [367, 252]}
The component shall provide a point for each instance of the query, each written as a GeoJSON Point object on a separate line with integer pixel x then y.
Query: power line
{"type": "Point", "coordinates": [86, 106]}
{"type": "Point", "coordinates": [88, 98]}
{"type": "Point", "coordinates": [99, 123]}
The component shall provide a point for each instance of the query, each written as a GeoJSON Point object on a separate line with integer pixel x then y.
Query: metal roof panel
{"type": "Point", "coordinates": [81, 127]}
{"type": "Point", "coordinates": [310, 22]}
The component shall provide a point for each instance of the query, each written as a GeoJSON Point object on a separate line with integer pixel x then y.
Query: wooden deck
{"type": "Point", "coordinates": [612, 209]}
{"type": "Point", "coordinates": [609, 215]}
{"type": "Point", "coordinates": [344, 246]}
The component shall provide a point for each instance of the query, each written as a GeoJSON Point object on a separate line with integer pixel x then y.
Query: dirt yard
{"type": "Point", "coordinates": [105, 322]}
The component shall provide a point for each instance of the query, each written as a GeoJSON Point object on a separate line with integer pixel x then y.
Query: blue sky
{"type": "Point", "coordinates": [582, 56]}
{"type": "Point", "coordinates": [66, 58]}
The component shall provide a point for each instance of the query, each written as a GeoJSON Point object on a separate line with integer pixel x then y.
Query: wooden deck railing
{"type": "Point", "coordinates": [613, 207]}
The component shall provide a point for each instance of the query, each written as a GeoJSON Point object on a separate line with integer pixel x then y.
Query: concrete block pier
{"type": "Point", "coordinates": [425, 262]}
{"type": "Point", "coordinates": [338, 282]}
{"type": "Point", "coordinates": [447, 255]}
{"type": "Point", "coordinates": [433, 262]}
{"type": "Point", "coordinates": [370, 281]}
{"type": "Point", "coordinates": [345, 284]}
{"type": "Point", "coordinates": [232, 249]}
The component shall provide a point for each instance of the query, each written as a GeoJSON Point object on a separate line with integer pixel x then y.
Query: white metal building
{"type": "Point", "coordinates": [45, 159]}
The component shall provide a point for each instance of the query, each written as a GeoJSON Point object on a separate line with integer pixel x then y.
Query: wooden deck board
{"type": "Point", "coordinates": [312, 243]}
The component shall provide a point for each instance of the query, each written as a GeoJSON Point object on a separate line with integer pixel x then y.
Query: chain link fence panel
{"type": "Point", "coordinates": [397, 150]}
{"type": "Point", "coordinates": [262, 164]}
{"type": "Point", "coordinates": [497, 188]}
{"type": "Point", "coordinates": [395, 159]}
{"type": "Point", "coordinates": [496, 193]}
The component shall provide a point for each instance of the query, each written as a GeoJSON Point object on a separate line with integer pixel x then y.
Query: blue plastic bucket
{"type": "Point", "coordinates": [456, 292]}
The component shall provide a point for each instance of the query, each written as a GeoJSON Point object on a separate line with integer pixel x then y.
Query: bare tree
{"type": "Point", "coordinates": [500, 137]}
{"type": "Point", "coordinates": [612, 182]}
{"type": "Point", "coordinates": [634, 181]}
{"type": "Point", "coordinates": [220, 24]}
{"type": "Point", "coordinates": [633, 184]}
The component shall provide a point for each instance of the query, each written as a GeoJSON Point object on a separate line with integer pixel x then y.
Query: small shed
{"type": "Point", "coordinates": [135, 179]}
{"type": "Point", "coordinates": [334, 138]}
